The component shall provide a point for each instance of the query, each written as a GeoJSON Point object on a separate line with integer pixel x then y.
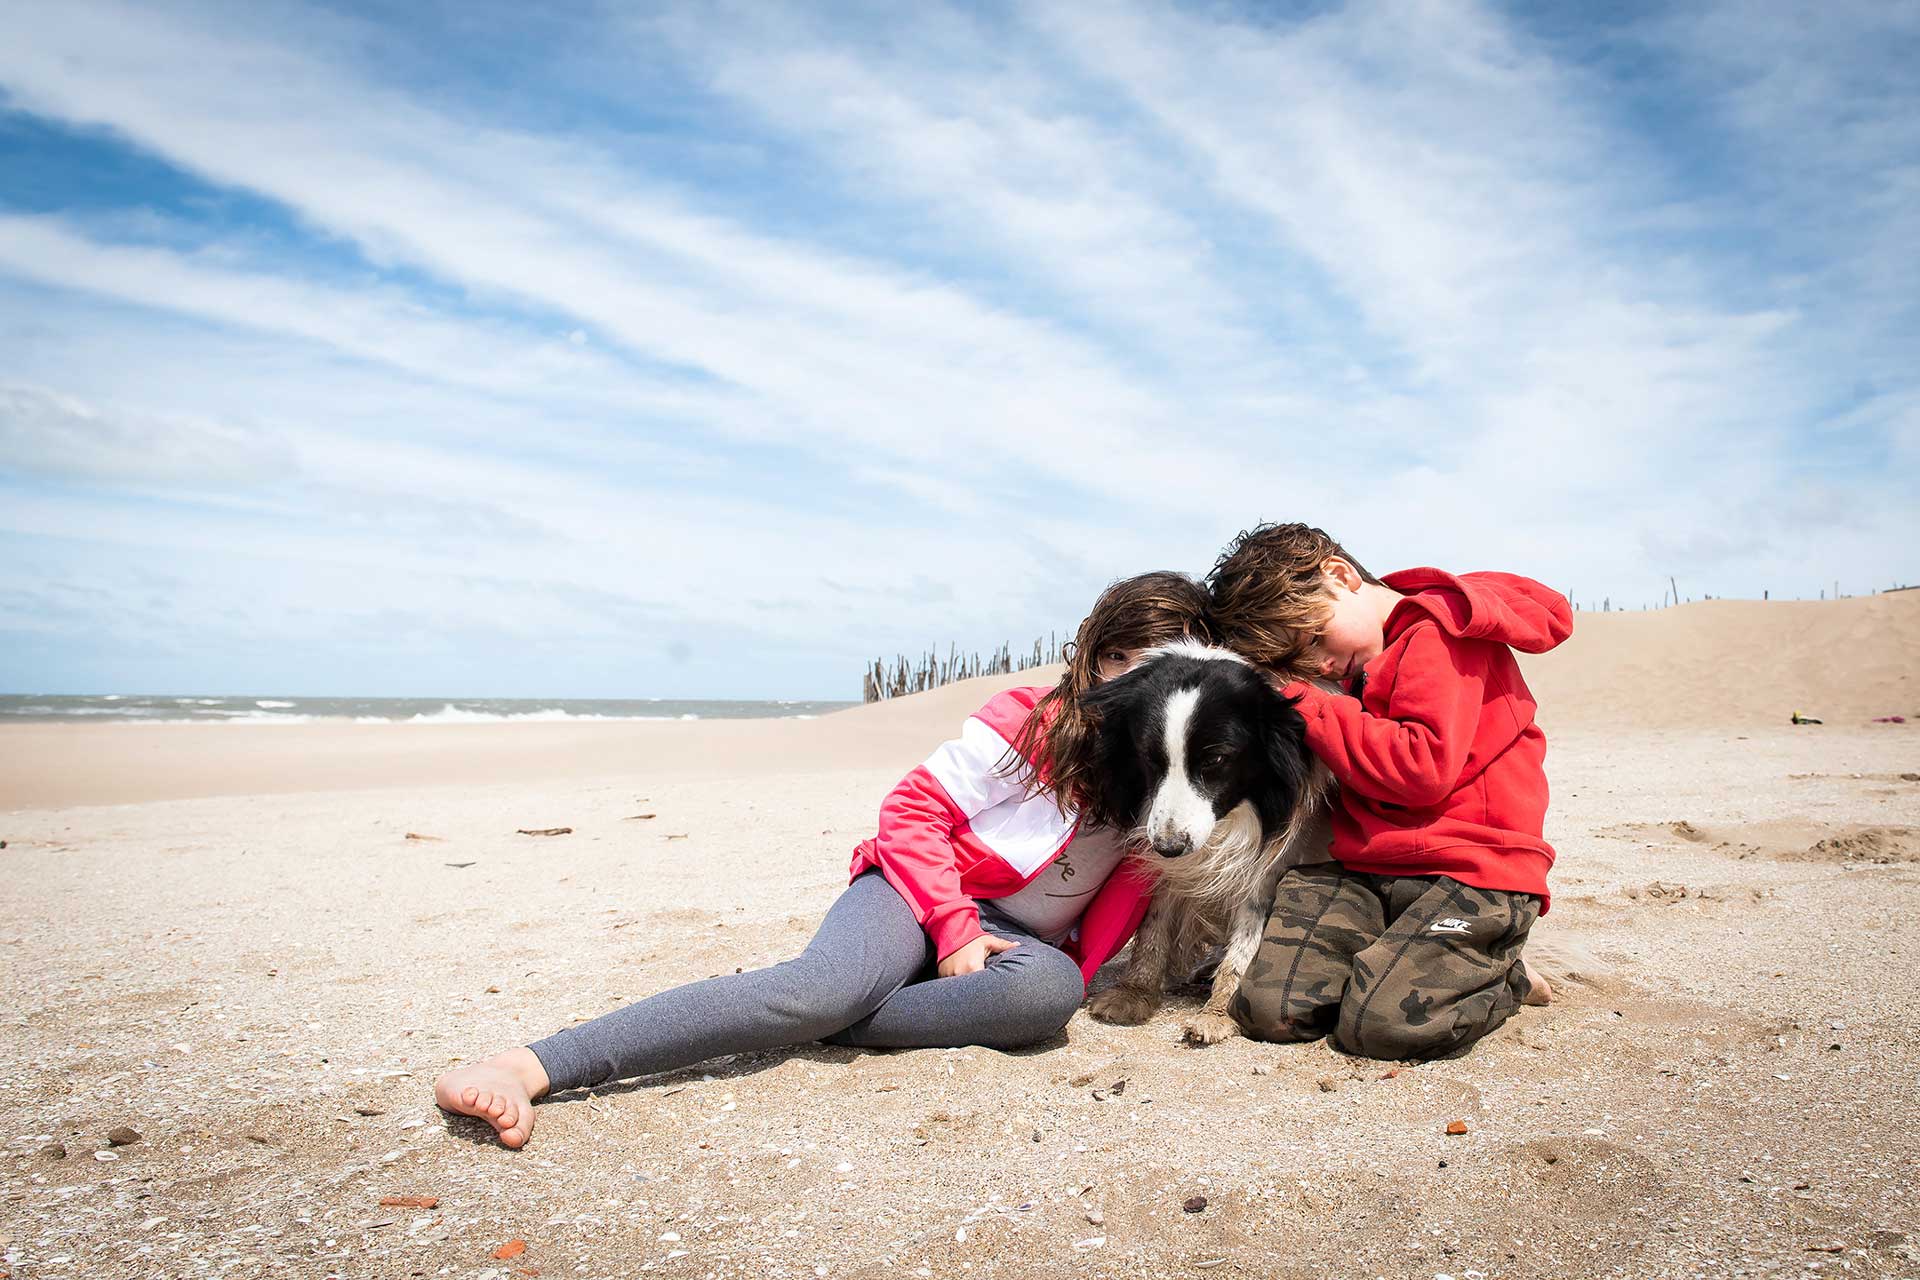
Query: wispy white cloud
{"type": "Point", "coordinates": [944, 319]}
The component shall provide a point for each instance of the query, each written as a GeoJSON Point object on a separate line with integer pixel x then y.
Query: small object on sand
{"type": "Point", "coordinates": [415, 835]}
{"type": "Point", "coordinates": [1835, 1247]}
{"type": "Point", "coordinates": [459, 865]}
{"type": "Point", "coordinates": [511, 1249]}
{"type": "Point", "coordinates": [1194, 1204]}
{"type": "Point", "coordinates": [637, 817]}
{"type": "Point", "coordinates": [1456, 1127]}
{"type": "Point", "coordinates": [1207, 1264]}
{"type": "Point", "coordinates": [1905, 777]}
{"type": "Point", "coordinates": [1388, 1075]}
{"type": "Point", "coordinates": [1800, 719]}
{"type": "Point", "coordinates": [1091, 1242]}
{"type": "Point", "coordinates": [1095, 1217]}
{"type": "Point", "coordinates": [121, 1136]}
{"type": "Point", "coordinates": [369, 1111]}
{"type": "Point", "coordinates": [677, 835]}
{"type": "Point", "coordinates": [1889, 719]}
{"type": "Point", "coordinates": [543, 831]}
{"type": "Point", "coordinates": [1082, 1080]}
{"type": "Point", "coordinates": [1327, 1084]}
{"type": "Point", "coordinates": [409, 1202]}
{"type": "Point", "coordinates": [1119, 1087]}
{"type": "Point", "coordinates": [54, 1151]}
{"type": "Point", "coordinates": [493, 991]}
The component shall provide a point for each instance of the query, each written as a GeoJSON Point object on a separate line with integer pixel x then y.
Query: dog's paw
{"type": "Point", "coordinates": [1127, 1006]}
{"type": "Point", "coordinates": [1209, 1028]}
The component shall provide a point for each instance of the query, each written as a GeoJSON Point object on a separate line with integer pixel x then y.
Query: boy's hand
{"type": "Point", "coordinates": [973, 957]}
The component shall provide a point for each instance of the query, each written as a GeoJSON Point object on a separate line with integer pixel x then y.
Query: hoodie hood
{"type": "Point", "coordinates": [1502, 607]}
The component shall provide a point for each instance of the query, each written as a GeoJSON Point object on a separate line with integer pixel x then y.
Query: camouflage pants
{"type": "Point", "coordinates": [1393, 966]}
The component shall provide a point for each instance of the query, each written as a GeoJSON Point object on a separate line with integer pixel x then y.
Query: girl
{"type": "Point", "coordinates": [975, 916]}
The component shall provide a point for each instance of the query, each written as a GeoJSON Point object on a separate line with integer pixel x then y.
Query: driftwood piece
{"type": "Point", "coordinates": [544, 831]}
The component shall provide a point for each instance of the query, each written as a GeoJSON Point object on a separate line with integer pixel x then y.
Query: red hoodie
{"type": "Point", "coordinates": [1439, 760]}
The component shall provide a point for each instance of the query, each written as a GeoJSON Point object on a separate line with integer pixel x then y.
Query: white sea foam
{"type": "Point", "coordinates": [230, 717]}
{"type": "Point", "coordinates": [126, 709]}
{"type": "Point", "coordinates": [451, 714]}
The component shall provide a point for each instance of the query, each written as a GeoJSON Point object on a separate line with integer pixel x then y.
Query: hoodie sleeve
{"type": "Point", "coordinates": [1412, 755]}
{"type": "Point", "coordinates": [918, 821]}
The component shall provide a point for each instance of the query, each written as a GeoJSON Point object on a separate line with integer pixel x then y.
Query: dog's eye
{"type": "Point", "coordinates": [1213, 760]}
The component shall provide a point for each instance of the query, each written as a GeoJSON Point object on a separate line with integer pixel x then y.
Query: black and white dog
{"type": "Point", "coordinates": [1210, 767]}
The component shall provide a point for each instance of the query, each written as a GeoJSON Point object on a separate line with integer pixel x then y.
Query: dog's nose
{"type": "Point", "coordinates": [1174, 845]}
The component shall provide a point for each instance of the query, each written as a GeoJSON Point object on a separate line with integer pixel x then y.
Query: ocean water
{"type": "Point", "coordinates": [142, 709]}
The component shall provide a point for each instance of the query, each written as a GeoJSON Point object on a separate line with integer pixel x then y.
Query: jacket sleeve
{"type": "Point", "coordinates": [918, 821]}
{"type": "Point", "coordinates": [1413, 755]}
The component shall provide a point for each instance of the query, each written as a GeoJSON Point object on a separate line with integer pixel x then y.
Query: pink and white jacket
{"type": "Point", "coordinates": [956, 830]}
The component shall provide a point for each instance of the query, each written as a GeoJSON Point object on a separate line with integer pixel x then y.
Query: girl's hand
{"type": "Point", "coordinates": [973, 957]}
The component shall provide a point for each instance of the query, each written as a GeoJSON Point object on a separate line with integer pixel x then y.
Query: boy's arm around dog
{"type": "Point", "coordinates": [1435, 687]}
{"type": "Point", "coordinates": [1412, 754]}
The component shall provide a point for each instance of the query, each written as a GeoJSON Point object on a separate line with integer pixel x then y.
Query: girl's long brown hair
{"type": "Point", "coordinates": [1055, 745]}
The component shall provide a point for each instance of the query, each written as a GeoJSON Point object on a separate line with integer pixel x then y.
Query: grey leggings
{"type": "Point", "coordinates": [866, 979]}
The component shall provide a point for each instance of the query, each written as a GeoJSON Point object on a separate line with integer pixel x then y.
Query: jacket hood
{"type": "Point", "coordinates": [1503, 607]}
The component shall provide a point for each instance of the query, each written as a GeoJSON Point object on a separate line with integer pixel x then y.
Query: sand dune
{"type": "Point", "coordinates": [1728, 662]}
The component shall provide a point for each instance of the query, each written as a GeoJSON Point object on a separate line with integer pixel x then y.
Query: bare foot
{"type": "Point", "coordinates": [1539, 990]}
{"type": "Point", "coordinates": [500, 1091]}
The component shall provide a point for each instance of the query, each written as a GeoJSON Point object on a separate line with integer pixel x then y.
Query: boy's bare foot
{"type": "Point", "coordinates": [500, 1091]}
{"type": "Point", "coordinates": [1539, 990]}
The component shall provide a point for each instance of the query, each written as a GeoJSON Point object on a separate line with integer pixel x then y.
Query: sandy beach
{"type": "Point", "coordinates": [254, 947]}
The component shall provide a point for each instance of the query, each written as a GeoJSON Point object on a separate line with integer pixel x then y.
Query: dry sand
{"type": "Point", "coordinates": [223, 938]}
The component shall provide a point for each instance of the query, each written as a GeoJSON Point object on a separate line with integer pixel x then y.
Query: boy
{"type": "Point", "coordinates": [1407, 943]}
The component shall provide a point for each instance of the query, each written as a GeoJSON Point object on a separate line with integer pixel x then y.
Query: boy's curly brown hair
{"type": "Point", "coordinates": [1270, 595]}
{"type": "Point", "coordinates": [1055, 747]}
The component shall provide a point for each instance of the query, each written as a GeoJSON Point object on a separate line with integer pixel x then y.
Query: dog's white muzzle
{"type": "Point", "coordinates": [1180, 819]}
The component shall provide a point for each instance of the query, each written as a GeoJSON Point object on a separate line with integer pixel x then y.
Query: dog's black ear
{"type": "Point", "coordinates": [1114, 702]}
{"type": "Point", "coordinates": [1112, 706]}
{"type": "Point", "coordinates": [1115, 707]}
{"type": "Point", "coordinates": [1285, 739]}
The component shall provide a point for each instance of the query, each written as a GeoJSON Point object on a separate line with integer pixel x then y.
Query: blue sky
{"type": "Point", "coordinates": [709, 350]}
